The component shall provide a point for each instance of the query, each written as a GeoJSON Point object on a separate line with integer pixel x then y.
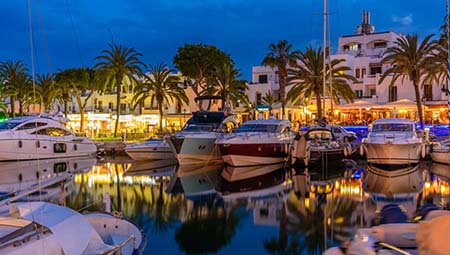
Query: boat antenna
{"type": "Point", "coordinates": [324, 53]}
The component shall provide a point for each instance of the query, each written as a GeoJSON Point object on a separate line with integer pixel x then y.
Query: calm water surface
{"type": "Point", "coordinates": [193, 210]}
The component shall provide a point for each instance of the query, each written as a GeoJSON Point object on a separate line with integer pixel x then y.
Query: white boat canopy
{"type": "Point", "coordinates": [63, 222]}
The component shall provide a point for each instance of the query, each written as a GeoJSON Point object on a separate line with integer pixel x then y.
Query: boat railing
{"type": "Point", "coordinates": [277, 135]}
{"type": "Point", "coordinates": [392, 247]}
{"type": "Point", "coordinates": [116, 248]}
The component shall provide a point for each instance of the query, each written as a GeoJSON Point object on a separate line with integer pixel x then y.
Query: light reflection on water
{"type": "Point", "coordinates": [193, 210]}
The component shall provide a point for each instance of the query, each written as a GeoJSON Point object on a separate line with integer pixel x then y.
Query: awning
{"type": "Point", "coordinates": [402, 103]}
{"type": "Point", "coordinates": [359, 104]}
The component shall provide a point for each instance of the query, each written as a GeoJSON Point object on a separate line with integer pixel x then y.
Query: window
{"type": "Point", "coordinates": [380, 45]}
{"type": "Point", "coordinates": [123, 107]}
{"type": "Point", "coordinates": [375, 69]}
{"type": "Point", "coordinates": [354, 46]}
{"type": "Point", "coordinates": [359, 93]}
{"type": "Point", "coordinates": [363, 72]}
{"type": "Point", "coordinates": [358, 73]}
{"type": "Point", "coordinates": [110, 105]}
{"type": "Point", "coordinates": [124, 89]}
{"type": "Point", "coordinates": [336, 130]}
{"type": "Point", "coordinates": [32, 125]}
{"type": "Point", "coordinates": [52, 132]}
{"type": "Point", "coordinates": [393, 94]}
{"type": "Point", "coordinates": [258, 98]}
{"type": "Point", "coordinates": [371, 90]}
{"type": "Point", "coordinates": [428, 92]}
{"type": "Point", "coordinates": [262, 78]}
{"type": "Point", "coordinates": [100, 104]}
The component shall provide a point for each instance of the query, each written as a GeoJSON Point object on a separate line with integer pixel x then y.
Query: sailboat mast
{"type": "Point", "coordinates": [331, 72]}
{"type": "Point", "coordinates": [324, 53]}
{"type": "Point", "coordinates": [447, 25]}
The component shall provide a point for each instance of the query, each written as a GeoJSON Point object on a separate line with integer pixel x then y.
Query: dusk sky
{"type": "Point", "coordinates": [157, 28]}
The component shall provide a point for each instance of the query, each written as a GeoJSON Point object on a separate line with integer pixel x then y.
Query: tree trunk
{"type": "Point", "coordinates": [160, 108]}
{"type": "Point", "coordinates": [319, 105]}
{"type": "Point", "coordinates": [419, 103]}
{"type": "Point", "coordinates": [13, 110]}
{"type": "Point", "coordinates": [66, 111]}
{"type": "Point", "coordinates": [282, 76]}
{"type": "Point", "coordinates": [119, 88]}
{"type": "Point", "coordinates": [119, 79]}
{"type": "Point", "coordinates": [20, 107]}
{"type": "Point", "coordinates": [81, 119]}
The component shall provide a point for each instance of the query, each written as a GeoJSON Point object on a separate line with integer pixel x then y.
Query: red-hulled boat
{"type": "Point", "coordinates": [257, 142]}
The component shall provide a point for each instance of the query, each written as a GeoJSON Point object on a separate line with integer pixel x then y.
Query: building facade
{"type": "Point", "coordinates": [363, 53]}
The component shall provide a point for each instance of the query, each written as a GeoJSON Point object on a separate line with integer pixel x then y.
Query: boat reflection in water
{"type": "Point", "coordinates": [40, 179]}
{"type": "Point", "coordinates": [193, 209]}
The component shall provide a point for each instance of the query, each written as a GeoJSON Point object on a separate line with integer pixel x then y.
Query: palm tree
{"type": "Point", "coordinates": [410, 58]}
{"type": "Point", "coordinates": [307, 80]}
{"type": "Point", "coordinates": [269, 99]}
{"type": "Point", "coordinates": [161, 87]}
{"type": "Point", "coordinates": [226, 84]}
{"type": "Point", "coordinates": [63, 86]}
{"type": "Point", "coordinates": [47, 90]}
{"type": "Point", "coordinates": [11, 74]}
{"type": "Point", "coordinates": [280, 55]}
{"type": "Point", "coordinates": [119, 62]}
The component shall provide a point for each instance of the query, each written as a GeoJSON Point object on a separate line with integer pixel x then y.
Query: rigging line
{"type": "Point", "coordinates": [30, 26]}
{"type": "Point", "coordinates": [41, 28]}
{"type": "Point", "coordinates": [75, 34]}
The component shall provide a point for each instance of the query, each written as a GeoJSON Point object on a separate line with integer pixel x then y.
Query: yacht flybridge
{"type": "Point", "coordinates": [27, 138]}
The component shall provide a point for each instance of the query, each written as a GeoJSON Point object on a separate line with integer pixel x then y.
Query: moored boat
{"type": "Point", "coordinates": [152, 149]}
{"type": "Point", "coordinates": [195, 143]}
{"type": "Point", "coordinates": [393, 141]}
{"type": "Point", "coordinates": [44, 228]}
{"type": "Point", "coordinates": [28, 138]}
{"type": "Point", "coordinates": [257, 142]}
{"type": "Point", "coordinates": [440, 152]}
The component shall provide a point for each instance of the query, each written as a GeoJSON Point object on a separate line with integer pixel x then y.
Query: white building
{"type": "Point", "coordinates": [363, 53]}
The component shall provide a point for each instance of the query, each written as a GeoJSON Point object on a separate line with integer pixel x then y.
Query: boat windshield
{"type": "Point", "coordinates": [319, 134]}
{"type": "Point", "coordinates": [10, 124]}
{"type": "Point", "coordinates": [200, 127]}
{"type": "Point", "coordinates": [257, 128]}
{"type": "Point", "coordinates": [392, 127]}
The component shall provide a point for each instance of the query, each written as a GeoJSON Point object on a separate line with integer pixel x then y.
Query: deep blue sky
{"type": "Point", "coordinates": [156, 28]}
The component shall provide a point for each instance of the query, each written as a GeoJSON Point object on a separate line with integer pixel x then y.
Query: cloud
{"type": "Point", "coordinates": [405, 20]}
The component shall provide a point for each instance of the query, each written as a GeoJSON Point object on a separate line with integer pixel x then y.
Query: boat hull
{"type": "Point", "coordinates": [390, 153]}
{"type": "Point", "coordinates": [195, 150]}
{"type": "Point", "coordinates": [142, 154]}
{"type": "Point", "coordinates": [29, 149]}
{"type": "Point", "coordinates": [254, 154]}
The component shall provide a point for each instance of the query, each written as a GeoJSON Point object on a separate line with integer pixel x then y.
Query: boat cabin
{"type": "Point", "coordinates": [265, 126]}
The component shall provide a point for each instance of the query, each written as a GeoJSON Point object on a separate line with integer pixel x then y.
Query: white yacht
{"type": "Point", "coordinates": [440, 152]}
{"type": "Point", "coordinates": [195, 143]}
{"type": "Point", "coordinates": [27, 138]}
{"type": "Point", "coordinates": [257, 142]}
{"type": "Point", "coordinates": [393, 141]}
{"type": "Point", "coordinates": [152, 149]}
{"type": "Point", "coordinates": [43, 228]}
